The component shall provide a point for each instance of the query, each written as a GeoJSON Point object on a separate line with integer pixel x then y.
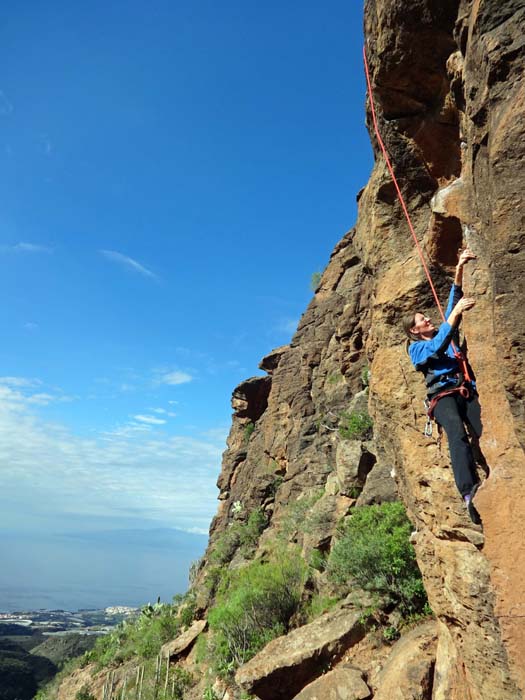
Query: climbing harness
{"type": "Point", "coordinates": [460, 357]}
{"type": "Point", "coordinates": [463, 390]}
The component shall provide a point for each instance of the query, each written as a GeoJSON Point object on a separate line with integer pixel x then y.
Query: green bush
{"type": "Point", "coordinates": [355, 426]}
{"type": "Point", "coordinates": [318, 605]}
{"type": "Point", "coordinates": [254, 605]}
{"type": "Point", "coordinates": [250, 532]}
{"type": "Point", "coordinates": [297, 516]}
{"type": "Point", "coordinates": [143, 637]}
{"type": "Point", "coordinates": [248, 430]}
{"type": "Point", "coordinates": [239, 535]}
{"type": "Point", "coordinates": [182, 681]}
{"type": "Point", "coordinates": [315, 280]}
{"type": "Point", "coordinates": [375, 552]}
{"type": "Point", "coordinates": [84, 694]}
{"type": "Point", "coordinates": [225, 546]}
{"type": "Point", "coordinates": [209, 694]}
{"type": "Point", "coordinates": [317, 560]}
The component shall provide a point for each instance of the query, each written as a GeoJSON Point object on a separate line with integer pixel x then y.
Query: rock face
{"type": "Point", "coordinates": [449, 93]}
{"type": "Point", "coordinates": [450, 96]}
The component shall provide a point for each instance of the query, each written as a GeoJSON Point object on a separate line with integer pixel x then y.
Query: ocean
{"type": "Point", "coordinates": [94, 570]}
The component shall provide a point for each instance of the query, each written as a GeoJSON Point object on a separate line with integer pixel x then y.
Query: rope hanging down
{"type": "Point", "coordinates": [459, 355]}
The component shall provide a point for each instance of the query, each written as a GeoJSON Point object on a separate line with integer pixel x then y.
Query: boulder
{"type": "Point", "coordinates": [343, 683]}
{"type": "Point", "coordinates": [409, 671]}
{"type": "Point", "coordinates": [288, 663]}
{"type": "Point", "coordinates": [183, 642]}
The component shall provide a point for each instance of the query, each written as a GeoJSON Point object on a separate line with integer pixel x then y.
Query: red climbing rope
{"type": "Point", "coordinates": [398, 189]}
{"type": "Point", "coordinates": [458, 354]}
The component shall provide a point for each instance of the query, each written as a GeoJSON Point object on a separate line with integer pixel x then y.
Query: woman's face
{"type": "Point", "coordinates": [422, 325]}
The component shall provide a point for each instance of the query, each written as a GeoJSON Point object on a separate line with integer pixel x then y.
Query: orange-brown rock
{"type": "Point", "coordinates": [343, 683]}
{"type": "Point", "coordinates": [182, 643]}
{"type": "Point", "coordinates": [475, 586]}
{"type": "Point", "coordinates": [409, 672]}
{"type": "Point", "coordinates": [449, 94]}
{"type": "Point", "coordinates": [290, 662]}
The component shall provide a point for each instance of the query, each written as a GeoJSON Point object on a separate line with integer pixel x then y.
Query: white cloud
{"type": "Point", "coordinates": [30, 326]}
{"type": "Point", "coordinates": [24, 247]}
{"type": "Point", "coordinates": [128, 262]}
{"type": "Point", "coordinates": [150, 419]}
{"type": "Point", "coordinates": [19, 390]}
{"type": "Point", "coordinates": [174, 378]}
{"type": "Point", "coordinates": [125, 387]}
{"type": "Point", "coordinates": [20, 381]}
{"type": "Point", "coordinates": [42, 399]}
{"type": "Point", "coordinates": [46, 471]}
{"type": "Point", "coordinates": [163, 411]}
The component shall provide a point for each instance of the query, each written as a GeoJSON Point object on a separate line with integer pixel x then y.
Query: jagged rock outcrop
{"type": "Point", "coordinates": [449, 94]}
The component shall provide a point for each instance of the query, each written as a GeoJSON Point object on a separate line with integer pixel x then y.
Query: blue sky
{"type": "Point", "coordinates": [172, 173]}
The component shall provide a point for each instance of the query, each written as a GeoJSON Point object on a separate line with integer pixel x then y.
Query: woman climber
{"type": "Point", "coordinates": [451, 388]}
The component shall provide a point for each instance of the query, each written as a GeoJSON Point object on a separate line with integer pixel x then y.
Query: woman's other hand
{"type": "Point", "coordinates": [464, 304]}
{"type": "Point", "coordinates": [464, 256]}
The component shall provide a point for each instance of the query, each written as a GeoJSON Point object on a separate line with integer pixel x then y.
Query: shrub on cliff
{"type": "Point", "coordinates": [239, 535]}
{"type": "Point", "coordinates": [253, 606]}
{"type": "Point", "coordinates": [356, 425]}
{"type": "Point", "coordinates": [375, 553]}
{"type": "Point", "coordinates": [144, 636]}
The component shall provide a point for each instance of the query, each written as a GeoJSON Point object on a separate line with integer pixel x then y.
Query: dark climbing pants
{"type": "Point", "coordinates": [452, 412]}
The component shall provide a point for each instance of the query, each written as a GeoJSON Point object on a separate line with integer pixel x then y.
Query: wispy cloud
{"type": "Point", "coordinates": [31, 326]}
{"type": "Point", "coordinates": [163, 412]}
{"type": "Point", "coordinates": [151, 420]}
{"type": "Point", "coordinates": [128, 262]}
{"type": "Point", "coordinates": [20, 381]}
{"type": "Point", "coordinates": [174, 378]}
{"type": "Point", "coordinates": [24, 247]}
{"type": "Point", "coordinates": [132, 471]}
{"type": "Point", "coordinates": [6, 106]}
{"type": "Point", "coordinates": [23, 391]}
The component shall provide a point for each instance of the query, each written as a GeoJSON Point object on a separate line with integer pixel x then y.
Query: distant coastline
{"type": "Point", "coordinates": [60, 622]}
{"type": "Point", "coordinates": [96, 570]}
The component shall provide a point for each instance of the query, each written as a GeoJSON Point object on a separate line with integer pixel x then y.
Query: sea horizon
{"type": "Point", "coordinates": [96, 570]}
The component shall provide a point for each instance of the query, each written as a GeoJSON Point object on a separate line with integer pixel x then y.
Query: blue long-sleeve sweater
{"type": "Point", "coordinates": [435, 357]}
